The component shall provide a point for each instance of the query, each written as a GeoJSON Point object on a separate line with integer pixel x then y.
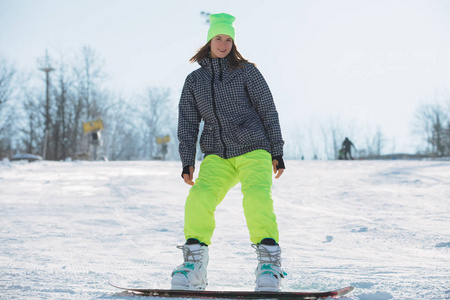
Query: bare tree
{"type": "Point", "coordinates": [314, 147]}
{"type": "Point", "coordinates": [63, 127]}
{"type": "Point", "coordinates": [123, 137]}
{"type": "Point", "coordinates": [379, 141]}
{"type": "Point", "coordinates": [374, 142]}
{"type": "Point", "coordinates": [90, 97]}
{"type": "Point", "coordinates": [295, 142]}
{"type": "Point", "coordinates": [332, 137]}
{"type": "Point", "coordinates": [431, 124]}
{"type": "Point", "coordinates": [155, 115]}
{"type": "Point", "coordinates": [446, 139]}
{"type": "Point", "coordinates": [7, 77]}
{"type": "Point", "coordinates": [33, 129]}
{"type": "Point", "coordinates": [7, 73]}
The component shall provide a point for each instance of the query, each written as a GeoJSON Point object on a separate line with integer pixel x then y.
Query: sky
{"type": "Point", "coordinates": [360, 64]}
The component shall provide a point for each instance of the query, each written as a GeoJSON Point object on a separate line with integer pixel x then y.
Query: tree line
{"type": "Point", "coordinates": [31, 122]}
{"type": "Point", "coordinates": [49, 122]}
{"type": "Point", "coordinates": [433, 126]}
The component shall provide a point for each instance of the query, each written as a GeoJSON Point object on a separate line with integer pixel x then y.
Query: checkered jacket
{"type": "Point", "coordinates": [237, 108]}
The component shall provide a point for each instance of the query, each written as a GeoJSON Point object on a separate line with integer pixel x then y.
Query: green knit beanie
{"type": "Point", "coordinates": [221, 24]}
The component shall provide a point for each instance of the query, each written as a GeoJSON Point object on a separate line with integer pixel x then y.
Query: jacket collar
{"type": "Point", "coordinates": [216, 65]}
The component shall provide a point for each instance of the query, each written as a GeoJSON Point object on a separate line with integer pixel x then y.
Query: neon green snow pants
{"type": "Point", "coordinates": [216, 177]}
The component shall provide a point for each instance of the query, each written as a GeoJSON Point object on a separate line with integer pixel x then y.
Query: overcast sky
{"type": "Point", "coordinates": [368, 63]}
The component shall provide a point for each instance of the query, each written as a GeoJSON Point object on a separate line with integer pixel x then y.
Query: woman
{"type": "Point", "coordinates": [241, 141]}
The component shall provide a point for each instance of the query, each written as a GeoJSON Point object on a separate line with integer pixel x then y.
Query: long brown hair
{"type": "Point", "coordinates": [235, 59]}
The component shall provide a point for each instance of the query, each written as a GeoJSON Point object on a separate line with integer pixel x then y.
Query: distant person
{"type": "Point", "coordinates": [347, 148]}
{"type": "Point", "coordinates": [242, 142]}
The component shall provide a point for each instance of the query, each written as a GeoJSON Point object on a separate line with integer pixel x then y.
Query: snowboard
{"type": "Point", "coordinates": [235, 294]}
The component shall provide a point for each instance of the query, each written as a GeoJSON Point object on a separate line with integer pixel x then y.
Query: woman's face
{"type": "Point", "coordinates": [221, 46]}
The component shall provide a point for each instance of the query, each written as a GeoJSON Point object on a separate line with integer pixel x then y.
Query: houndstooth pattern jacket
{"type": "Point", "coordinates": [237, 108]}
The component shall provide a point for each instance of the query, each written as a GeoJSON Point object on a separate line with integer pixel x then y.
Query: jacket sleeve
{"type": "Point", "coordinates": [188, 124]}
{"type": "Point", "coordinates": [262, 100]}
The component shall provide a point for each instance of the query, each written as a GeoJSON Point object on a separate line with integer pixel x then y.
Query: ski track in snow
{"type": "Point", "coordinates": [69, 228]}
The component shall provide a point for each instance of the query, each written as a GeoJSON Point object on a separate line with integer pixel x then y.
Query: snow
{"type": "Point", "coordinates": [69, 228]}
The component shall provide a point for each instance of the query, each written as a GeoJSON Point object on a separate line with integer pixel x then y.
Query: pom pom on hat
{"type": "Point", "coordinates": [221, 24]}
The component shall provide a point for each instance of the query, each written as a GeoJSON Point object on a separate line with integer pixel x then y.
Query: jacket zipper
{"type": "Point", "coordinates": [215, 108]}
{"type": "Point", "coordinates": [220, 70]}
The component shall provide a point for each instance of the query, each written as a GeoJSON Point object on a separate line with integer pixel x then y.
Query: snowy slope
{"type": "Point", "coordinates": [67, 228]}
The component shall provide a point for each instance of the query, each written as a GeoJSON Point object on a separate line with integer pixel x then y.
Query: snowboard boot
{"type": "Point", "coordinates": [191, 275]}
{"type": "Point", "coordinates": [268, 272]}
